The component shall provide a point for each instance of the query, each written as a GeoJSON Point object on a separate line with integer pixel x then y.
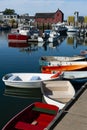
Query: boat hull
{"type": "Point", "coordinates": [75, 76]}
{"type": "Point", "coordinates": [48, 60]}
{"type": "Point", "coordinates": [36, 116]}
{"type": "Point", "coordinates": [54, 69]}
{"type": "Point", "coordinates": [58, 93]}
{"type": "Point", "coordinates": [28, 80]}
{"type": "Point", "coordinates": [24, 84]}
{"type": "Point", "coordinates": [53, 102]}
{"type": "Point", "coordinates": [17, 38]}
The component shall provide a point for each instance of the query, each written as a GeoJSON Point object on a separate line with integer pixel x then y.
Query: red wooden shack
{"type": "Point", "coordinates": [51, 18]}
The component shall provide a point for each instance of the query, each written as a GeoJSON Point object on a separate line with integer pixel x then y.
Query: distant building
{"type": "Point", "coordinates": [51, 18]}
{"type": "Point", "coordinates": [4, 17]}
{"type": "Point", "coordinates": [10, 17]}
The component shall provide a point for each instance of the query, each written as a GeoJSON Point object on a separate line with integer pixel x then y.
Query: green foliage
{"type": "Point", "coordinates": [9, 11]}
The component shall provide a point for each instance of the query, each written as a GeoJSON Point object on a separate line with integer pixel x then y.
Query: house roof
{"type": "Point", "coordinates": [46, 15]}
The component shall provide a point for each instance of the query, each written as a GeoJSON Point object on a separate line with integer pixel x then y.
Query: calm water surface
{"type": "Point", "coordinates": [26, 59]}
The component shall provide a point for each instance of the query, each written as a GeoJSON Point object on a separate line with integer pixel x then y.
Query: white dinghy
{"type": "Point", "coordinates": [58, 93]}
{"type": "Point", "coordinates": [28, 80]}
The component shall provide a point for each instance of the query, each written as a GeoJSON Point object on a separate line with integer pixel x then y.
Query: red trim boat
{"type": "Point", "coordinates": [16, 37]}
{"type": "Point", "coordinates": [54, 69]}
{"type": "Point", "coordinates": [36, 116]}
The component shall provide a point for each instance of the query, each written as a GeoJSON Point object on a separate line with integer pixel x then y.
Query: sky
{"type": "Point", "coordinates": [68, 7]}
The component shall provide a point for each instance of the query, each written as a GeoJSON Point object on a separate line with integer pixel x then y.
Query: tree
{"type": "Point", "coordinates": [9, 11]}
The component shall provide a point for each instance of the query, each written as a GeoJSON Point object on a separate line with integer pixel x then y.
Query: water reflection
{"type": "Point", "coordinates": [33, 46]}
{"type": "Point", "coordinates": [24, 47]}
{"type": "Point", "coordinates": [23, 92]}
{"type": "Point", "coordinates": [75, 40]}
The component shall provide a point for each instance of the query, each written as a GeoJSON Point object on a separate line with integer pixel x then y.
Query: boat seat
{"type": "Point", "coordinates": [60, 94]}
{"type": "Point", "coordinates": [26, 126]}
{"type": "Point", "coordinates": [15, 78]}
{"type": "Point", "coordinates": [62, 97]}
{"type": "Point", "coordinates": [55, 88]}
{"type": "Point", "coordinates": [35, 78]}
{"type": "Point", "coordinates": [48, 111]}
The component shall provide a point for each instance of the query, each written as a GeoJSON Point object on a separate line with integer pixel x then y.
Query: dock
{"type": "Point", "coordinates": [74, 117]}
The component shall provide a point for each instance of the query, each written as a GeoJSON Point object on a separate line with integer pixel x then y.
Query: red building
{"type": "Point", "coordinates": [44, 18]}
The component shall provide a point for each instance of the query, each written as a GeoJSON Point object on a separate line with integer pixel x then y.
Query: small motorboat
{"type": "Point", "coordinates": [36, 116]}
{"type": "Point", "coordinates": [17, 37]}
{"type": "Point", "coordinates": [58, 93]}
{"type": "Point", "coordinates": [46, 60]}
{"type": "Point", "coordinates": [28, 80]}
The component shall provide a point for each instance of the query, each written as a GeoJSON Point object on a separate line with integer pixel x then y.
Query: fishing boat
{"type": "Point", "coordinates": [16, 37]}
{"type": "Point", "coordinates": [72, 29]}
{"type": "Point", "coordinates": [54, 69]}
{"type": "Point", "coordinates": [58, 93]}
{"type": "Point", "coordinates": [36, 116]}
{"type": "Point", "coordinates": [25, 34]}
{"type": "Point", "coordinates": [46, 60]}
{"type": "Point", "coordinates": [28, 80]}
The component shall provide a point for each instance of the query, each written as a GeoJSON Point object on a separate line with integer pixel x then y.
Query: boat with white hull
{"type": "Point", "coordinates": [46, 60]}
{"type": "Point", "coordinates": [75, 76]}
{"type": "Point", "coordinates": [28, 80]}
{"type": "Point", "coordinates": [58, 93]}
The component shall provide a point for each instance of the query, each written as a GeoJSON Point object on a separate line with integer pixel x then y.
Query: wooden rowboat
{"type": "Point", "coordinates": [28, 80]}
{"type": "Point", "coordinates": [46, 60]}
{"type": "Point", "coordinates": [58, 93]}
{"type": "Point", "coordinates": [54, 69]}
{"type": "Point", "coordinates": [36, 116]}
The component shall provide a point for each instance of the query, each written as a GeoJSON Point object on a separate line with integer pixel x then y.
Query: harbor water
{"type": "Point", "coordinates": [25, 58]}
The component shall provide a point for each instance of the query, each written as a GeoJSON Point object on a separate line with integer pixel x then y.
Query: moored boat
{"type": "Point", "coordinates": [36, 116]}
{"type": "Point", "coordinates": [58, 93]}
{"type": "Point", "coordinates": [25, 34]}
{"type": "Point", "coordinates": [28, 80]}
{"type": "Point", "coordinates": [54, 69]}
{"type": "Point", "coordinates": [16, 37]}
{"type": "Point", "coordinates": [72, 29]}
{"type": "Point", "coordinates": [46, 60]}
{"type": "Point", "coordinates": [75, 76]}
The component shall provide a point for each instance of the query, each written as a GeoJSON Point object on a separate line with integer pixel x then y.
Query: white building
{"type": "Point", "coordinates": [4, 17]}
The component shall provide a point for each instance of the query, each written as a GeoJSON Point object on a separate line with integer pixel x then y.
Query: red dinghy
{"type": "Point", "coordinates": [36, 116]}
